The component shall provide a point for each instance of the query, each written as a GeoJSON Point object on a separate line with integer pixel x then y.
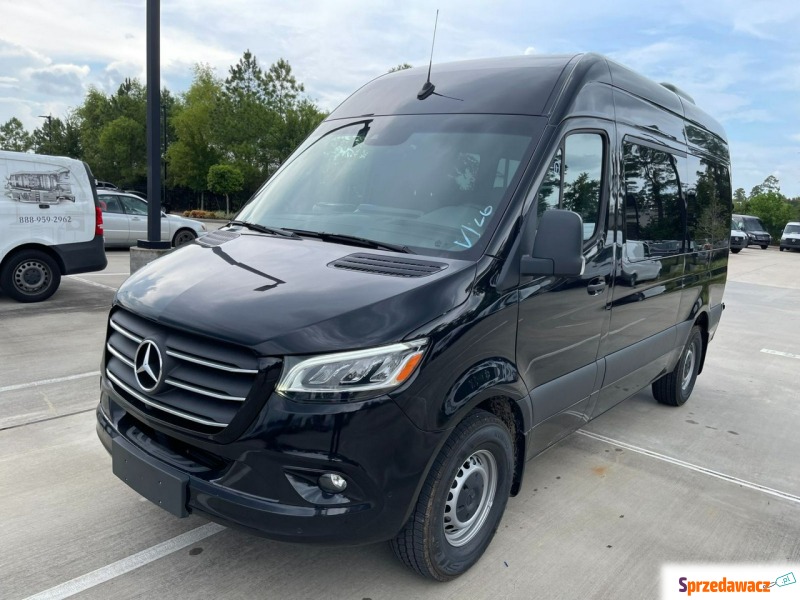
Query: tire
{"type": "Point", "coordinates": [675, 388]}
{"type": "Point", "coordinates": [781, 248]}
{"type": "Point", "coordinates": [183, 237]}
{"type": "Point", "coordinates": [30, 276]}
{"type": "Point", "coordinates": [736, 250]}
{"type": "Point", "coordinates": [478, 462]}
{"type": "Point", "coordinates": [633, 280]}
{"type": "Point", "coordinates": [764, 247]}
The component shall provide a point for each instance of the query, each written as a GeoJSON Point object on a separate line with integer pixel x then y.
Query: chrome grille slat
{"type": "Point", "coordinates": [125, 332]}
{"type": "Point", "coordinates": [204, 382]}
{"type": "Point", "coordinates": [208, 363]}
{"type": "Point", "coordinates": [203, 391]}
{"type": "Point", "coordinates": [119, 355]}
{"type": "Point", "coordinates": [159, 406]}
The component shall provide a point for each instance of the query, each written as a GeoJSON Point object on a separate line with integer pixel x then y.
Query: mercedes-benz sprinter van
{"type": "Point", "coordinates": [441, 282]}
{"type": "Point", "coordinates": [50, 224]}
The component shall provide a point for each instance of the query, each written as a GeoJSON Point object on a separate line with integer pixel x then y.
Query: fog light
{"type": "Point", "coordinates": [331, 482]}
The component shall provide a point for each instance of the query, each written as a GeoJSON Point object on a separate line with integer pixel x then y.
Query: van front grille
{"type": "Point", "coordinates": [183, 379]}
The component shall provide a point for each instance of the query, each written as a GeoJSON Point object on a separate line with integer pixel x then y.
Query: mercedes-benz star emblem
{"type": "Point", "coordinates": [148, 365]}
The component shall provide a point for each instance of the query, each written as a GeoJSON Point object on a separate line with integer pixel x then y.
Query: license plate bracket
{"type": "Point", "coordinates": [163, 486]}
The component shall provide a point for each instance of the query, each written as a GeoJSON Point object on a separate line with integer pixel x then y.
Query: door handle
{"type": "Point", "coordinates": [595, 288]}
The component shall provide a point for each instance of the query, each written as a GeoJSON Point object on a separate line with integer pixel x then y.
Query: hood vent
{"type": "Point", "coordinates": [217, 238]}
{"type": "Point", "coordinates": [385, 265]}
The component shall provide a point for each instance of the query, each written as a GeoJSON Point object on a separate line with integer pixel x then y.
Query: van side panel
{"type": "Point", "coordinates": [45, 201]}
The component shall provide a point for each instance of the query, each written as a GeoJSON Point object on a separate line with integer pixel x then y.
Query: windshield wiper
{"type": "Point", "coordinates": [353, 240]}
{"type": "Point", "coordinates": [265, 229]}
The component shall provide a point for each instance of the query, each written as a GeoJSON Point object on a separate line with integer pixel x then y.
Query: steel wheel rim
{"type": "Point", "coordinates": [183, 238]}
{"type": "Point", "coordinates": [688, 368]}
{"type": "Point", "coordinates": [470, 498]}
{"type": "Point", "coordinates": [31, 277]}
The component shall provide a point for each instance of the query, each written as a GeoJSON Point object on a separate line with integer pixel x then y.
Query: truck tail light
{"type": "Point", "coordinates": [98, 221]}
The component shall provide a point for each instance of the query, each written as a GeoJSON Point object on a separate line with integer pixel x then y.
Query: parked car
{"type": "Point", "coordinates": [754, 229]}
{"type": "Point", "coordinates": [739, 238]}
{"type": "Point", "coordinates": [125, 220]}
{"type": "Point", "coordinates": [638, 264]}
{"type": "Point", "coordinates": [421, 298]}
{"type": "Point", "coordinates": [790, 238]}
{"type": "Point", "coordinates": [50, 224]}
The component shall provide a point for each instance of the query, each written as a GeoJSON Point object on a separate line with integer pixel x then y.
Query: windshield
{"type": "Point", "coordinates": [434, 183]}
{"type": "Point", "coordinates": [792, 229]}
{"type": "Point", "coordinates": [753, 224]}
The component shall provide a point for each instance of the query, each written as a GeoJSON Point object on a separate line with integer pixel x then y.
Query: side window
{"type": "Point", "coordinates": [110, 204]}
{"type": "Point", "coordinates": [134, 206]}
{"type": "Point", "coordinates": [574, 180]}
{"type": "Point", "coordinates": [655, 213]}
{"type": "Point", "coordinates": [709, 204]}
{"type": "Point", "coordinates": [506, 169]}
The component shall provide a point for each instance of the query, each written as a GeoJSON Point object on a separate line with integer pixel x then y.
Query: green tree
{"type": "Point", "coordinates": [112, 133]}
{"type": "Point", "coordinates": [193, 152]}
{"type": "Point", "coordinates": [225, 180]}
{"type": "Point", "coordinates": [123, 147]}
{"type": "Point", "coordinates": [773, 209]}
{"type": "Point", "coordinates": [243, 123]}
{"type": "Point", "coordinates": [280, 87]}
{"type": "Point", "coordinates": [14, 136]}
{"type": "Point", "coordinates": [400, 67]}
{"type": "Point", "coordinates": [57, 137]}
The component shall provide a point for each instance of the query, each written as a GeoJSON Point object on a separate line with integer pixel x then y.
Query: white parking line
{"type": "Point", "coordinates": [126, 565]}
{"type": "Point", "coordinates": [680, 463]}
{"type": "Point", "coordinates": [93, 283]}
{"type": "Point", "coordinates": [21, 386]}
{"type": "Point", "coordinates": [779, 353]}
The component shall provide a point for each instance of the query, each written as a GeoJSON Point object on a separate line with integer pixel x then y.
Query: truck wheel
{"type": "Point", "coordinates": [736, 250]}
{"type": "Point", "coordinates": [764, 246]}
{"type": "Point", "coordinates": [462, 501]}
{"type": "Point", "coordinates": [183, 237]}
{"type": "Point", "coordinates": [30, 276]}
{"type": "Point", "coordinates": [675, 388]}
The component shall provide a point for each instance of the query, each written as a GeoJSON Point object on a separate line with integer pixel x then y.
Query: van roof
{"type": "Point", "coordinates": [519, 85]}
{"type": "Point", "coordinates": [60, 161]}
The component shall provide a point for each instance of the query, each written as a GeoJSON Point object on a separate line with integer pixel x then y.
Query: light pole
{"type": "Point", "coordinates": [49, 132]}
{"type": "Point", "coordinates": [153, 240]}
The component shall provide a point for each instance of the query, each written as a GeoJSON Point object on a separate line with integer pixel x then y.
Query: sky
{"type": "Point", "coordinates": [739, 59]}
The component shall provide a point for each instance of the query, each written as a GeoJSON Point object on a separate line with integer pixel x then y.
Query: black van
{"type": "Point", "coordinates": [432, 290]}
{"type": "Point", "coordinates": [757, 234]}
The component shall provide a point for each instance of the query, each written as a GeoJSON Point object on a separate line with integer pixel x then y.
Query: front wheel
{"type": "Point", "coordinates": [30, 276]}
{"type": "Point", "coordinates": [736, 250]}
{"type": "Point", "coordinates": [781, 248]}
{"type": "Point", "coordinates": [675, 388]}
{"type": "Point", "coordinates": [183, 237]}
{"type": "Point", "coordinates": [764, 246]}
{"type": "Point", "coordinates": [462, 501]}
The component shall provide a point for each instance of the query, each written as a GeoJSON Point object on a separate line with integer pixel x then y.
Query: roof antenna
{"type": "Point", "coordinates": [428, 87]}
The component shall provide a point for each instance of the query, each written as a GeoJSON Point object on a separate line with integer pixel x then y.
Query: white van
{"type": "Point", "coordinates": [50, 223]}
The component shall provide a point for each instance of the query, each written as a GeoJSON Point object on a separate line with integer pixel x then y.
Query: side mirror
{"type": "Point", "coordinates": [558, 247]}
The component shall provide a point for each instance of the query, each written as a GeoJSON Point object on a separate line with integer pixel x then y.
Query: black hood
{"type": "Point", "coordinates": [281, 296]}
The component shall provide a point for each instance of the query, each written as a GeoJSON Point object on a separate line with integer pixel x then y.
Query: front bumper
{"type": "Point", "coordinates": [266, 481]}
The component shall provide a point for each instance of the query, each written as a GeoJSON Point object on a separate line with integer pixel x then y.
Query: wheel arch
{"type": "Point", "coordinates": [33, 246]}
{"type": "Point", "coordinates": [702, 322]}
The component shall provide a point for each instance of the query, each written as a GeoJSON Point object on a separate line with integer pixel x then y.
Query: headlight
{"type": "Point", "coordinates": [350, 375]}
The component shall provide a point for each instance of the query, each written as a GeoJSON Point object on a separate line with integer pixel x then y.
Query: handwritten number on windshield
{"type": "Point", "coordinates": [466, 229]}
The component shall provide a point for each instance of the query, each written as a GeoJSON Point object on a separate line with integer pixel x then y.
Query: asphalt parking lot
{"type": "Point", "coordinates": [714, 481]}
